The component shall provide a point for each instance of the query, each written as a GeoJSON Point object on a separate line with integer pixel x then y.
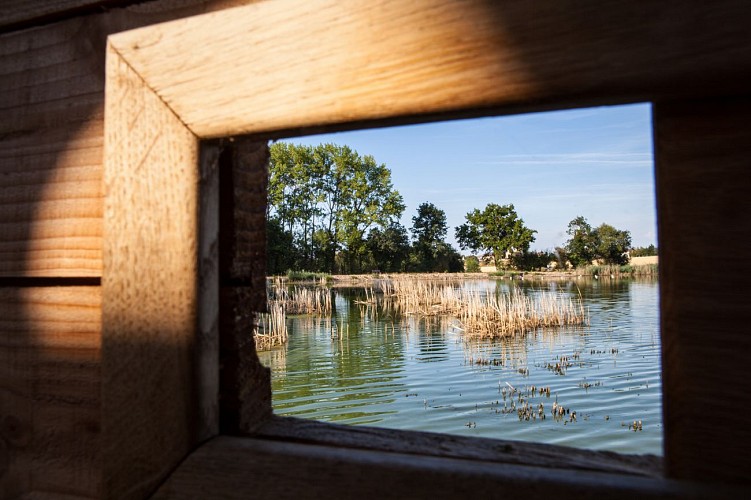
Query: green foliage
{"type": "Point", "coordinates": [533, 261]}
{"type": "Point", "coordinates": [612, 244]}
{"type": "Point", "coordinates": [644, 251]}
{"type": "Point", "coordinates": [325, 198]}
{"type": "Point", "coordinates": [389, 248]}
{"type": "Point", "coordinates": [582, 246]}
{"type": "Point", "coordinates": [472, 264]}
{"type": "Point", "coordinates": [428, 232]}
{"type": "Point", "coordinates": [604, 243]}
{"type": "Point", "coordinates": [307, 276]}
{"type": "Point", "coordinates": [281, 252]}
{"type": "Point", "coordinates": [497, 229]}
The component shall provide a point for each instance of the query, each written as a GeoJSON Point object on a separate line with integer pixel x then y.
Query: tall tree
{"type": "Point", "coordinates": [389, 247]}
{"type": "Point", "coordinates": [428, 232]}
{"type": "Point", "coordinates": [496, 229]}
{"type": "Point", "coordinates": [326, 198]}
{"type": "Point", "coordinates": [604, 243]}
{"type": "Point", "coordinates": [613, 244]}
{"type": "Point", "coordinates": [582, 244]}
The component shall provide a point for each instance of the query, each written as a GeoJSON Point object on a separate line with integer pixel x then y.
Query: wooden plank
{"type": "Point", "coordinates": [451, 446]}
{"type": "Point", "coordinates": [373, 61]}
{"type": "Point", "coordinates": [18, 14]}
{"type": "Point", "coordinates": [245, 392]}
{"type": "Point", "coordinates": [51, 134]}
{"type": "Point", "coordinates": [50, 152]}
{"type": "Point", "coordinates": [151, 401]}
{"type": "Point", "coordinates": [702, 171]}
{"type": "Point", "coordinates": [49, 391]}
{"type": "Point", "coordinates": [26, 12]}
{"type": "Point", "coordinates": [229, 467]}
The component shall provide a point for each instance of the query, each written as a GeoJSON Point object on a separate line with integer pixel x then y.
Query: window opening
{"type": "Point", "coordinates": [350, 338]}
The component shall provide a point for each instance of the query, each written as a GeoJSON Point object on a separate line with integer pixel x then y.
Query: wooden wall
{"type": "Point", "coordinates": [52, 77]}
{"type": "Point", "coordinates": [693, 59]}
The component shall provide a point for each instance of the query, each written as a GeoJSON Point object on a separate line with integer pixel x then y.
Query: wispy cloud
{"type": "Point", "coordinates": [549, 159]}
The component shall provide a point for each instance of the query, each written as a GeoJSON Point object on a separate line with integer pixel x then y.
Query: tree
{"type": "Point", "coordinates": [326, 198]}
{"type": "Point", "coordinates": [612, 244]}
{"type": "Point", "coordinates": [428, 232]}
{"type": "Point", "coordinates": [604, 243]}
{"type": "Point", "coordinates": [644, 251]}
{"type": "Point", "coordinates": [370, 200]}
{"type": "Point", "coordinates": [581, 248]}
{"type": "Point", "coordinates": [472, 264]}
{"type": "Point", "coordinates": [496, 229]}
{"type": "Point", "coordinates": [389, 247]}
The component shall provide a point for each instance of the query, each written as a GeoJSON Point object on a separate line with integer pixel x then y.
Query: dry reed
{"type": "Point", "coordinates": [486, 315]}
{"type": "Point", "coordinates": [271, 329]}
{"type": "Point", "coordinates": [302, 300]}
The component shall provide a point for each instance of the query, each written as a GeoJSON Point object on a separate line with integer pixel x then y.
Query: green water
{"type": "Point", "coordinates": [369, 367]}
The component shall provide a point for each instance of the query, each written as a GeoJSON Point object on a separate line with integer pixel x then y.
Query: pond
{"type": "Point", "coordinates": [369, 366]}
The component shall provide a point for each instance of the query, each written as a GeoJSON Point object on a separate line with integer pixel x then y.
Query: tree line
{"type": "Point", "coordinates": [333, 210]}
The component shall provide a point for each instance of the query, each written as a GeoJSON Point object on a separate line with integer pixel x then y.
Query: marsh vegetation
{"type": "Point", "coordinates": [372, 363]}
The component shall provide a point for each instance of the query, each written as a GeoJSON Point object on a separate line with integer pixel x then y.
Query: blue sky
{"type": "Point", "coordinates": [595, 162]}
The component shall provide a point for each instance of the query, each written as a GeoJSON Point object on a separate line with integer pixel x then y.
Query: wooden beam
{"type": "Point", "coordinates": [245, 389]}
{"type": "Point", "coordinates": [295, 65]}
{"type": "Point", "coordinates": [452, 446]}
{"type": "Point", "coordinates": [703, 185]}
{"type": "Point", "coordinates": [229, 467]}
{"type": "Point", "coordinates": [19, 13]}
{"type": "Point", "coordinates": [49, 391]}
{"type": "Point", "coordinates": [152, 414]}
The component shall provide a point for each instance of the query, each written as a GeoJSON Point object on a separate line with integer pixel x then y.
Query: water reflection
{"type": "Point", "coordinates": [371, 365]}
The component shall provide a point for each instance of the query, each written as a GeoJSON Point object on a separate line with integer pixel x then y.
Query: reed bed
{"type": "Point", "coordinates": [302, 300]}
{"type": "Point", "coordinates": [487, 315]}
{"type": "Point", "coordinates": [512, 314]}
{"type": "Point", "coordinates": [271, 329]}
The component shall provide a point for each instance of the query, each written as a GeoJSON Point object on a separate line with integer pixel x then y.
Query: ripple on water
{"type": "Point", "coordinates": [417, 375]}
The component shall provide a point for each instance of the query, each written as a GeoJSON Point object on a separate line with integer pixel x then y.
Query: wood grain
{"type": "Point", "coordinates": [151, 412]}
{"type": "Point", "coordinates": [27, 12]}
{"type": "Point", "coordinates": [452, 446]}
{"type": "Point", "coordinates": [245, 390]}
{"type": "Point", "coordinates": [51, 134]}
{"type": "Point", "coordinates": [293, 64]}
{"type": "Point", "coordinates": [50, 152]}
{"type": "Point", "coordinates": [49, 391]}
{"type": "Point", "coordinates": [703, 181]}
{"type": "Point", "coordinates": [229, 467]}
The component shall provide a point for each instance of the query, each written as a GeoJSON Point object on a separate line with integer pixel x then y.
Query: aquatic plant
{"type": "Point", "coordinates": [487, 315]}
{"type": "Point", "coordinates": [271, 328]}
{"type": "Point", "coordinates": [302, 300]}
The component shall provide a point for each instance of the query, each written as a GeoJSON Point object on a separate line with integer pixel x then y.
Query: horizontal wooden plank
{"type": "Point", "coordinates": [51, 152]}
{"type": "Point", "coordinates": [49, 391]}
{"type": "Point", "coordinates": [51, 202]}
{"type": "Point", "coordinates": [229, 467]}
{"type": "Point", "coordinates": [701, 164]}
{"type": "Point", "coordinates": [450, 446]}
{"type": "Point", "coordinates": [26, 12]}
{"type": "Point", "coordinates": [51, 134]}
{"type": "Point", "coordinates": [17, 14]}
{"type": "Point", "coordinates": [300, 65]}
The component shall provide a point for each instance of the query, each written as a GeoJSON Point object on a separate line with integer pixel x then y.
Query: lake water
{"type": "Point", "coordinates": [382, 370]}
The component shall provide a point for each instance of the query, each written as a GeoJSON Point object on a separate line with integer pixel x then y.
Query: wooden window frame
{"type": "Point", "coordinates": [288, 67]}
